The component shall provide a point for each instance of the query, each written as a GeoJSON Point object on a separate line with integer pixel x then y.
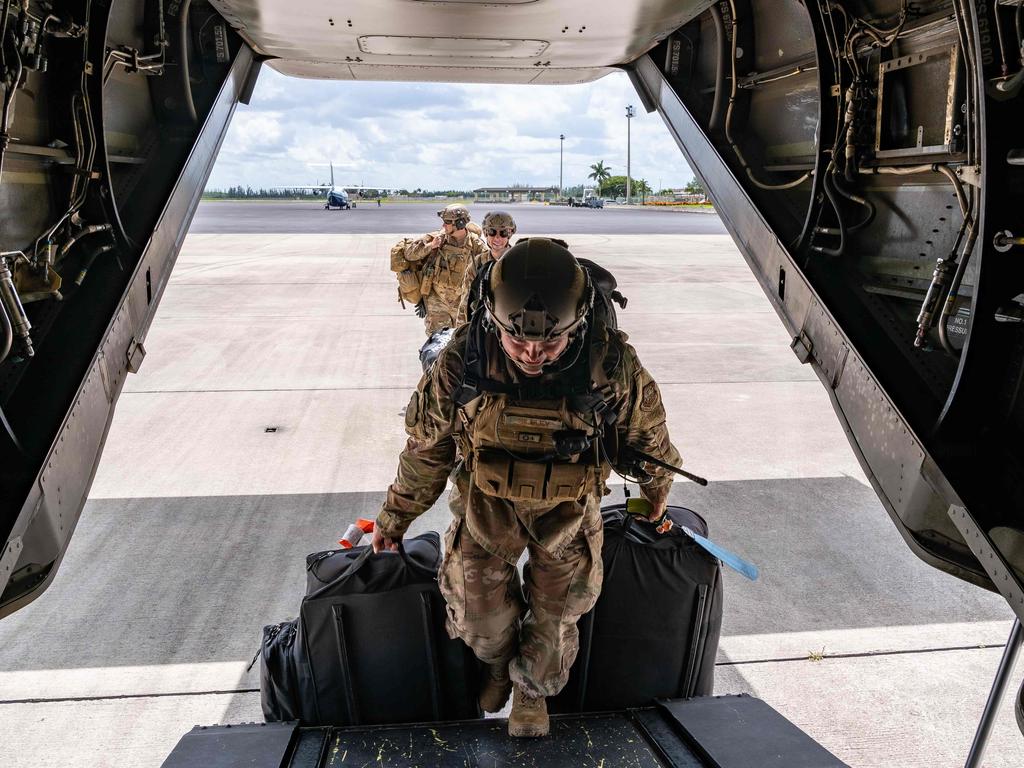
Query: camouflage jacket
{"type": "Point", "coordinates": [447, 264]}
{"type": "Point", "coordinates": [432, 420]}
{"type": "Point", "coordinates": [478, 263]}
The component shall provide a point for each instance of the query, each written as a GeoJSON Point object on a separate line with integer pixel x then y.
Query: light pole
{"type": "Point", "coordinates": [629, 116]}
{"type": "Point", "coordinates": [561, 143]}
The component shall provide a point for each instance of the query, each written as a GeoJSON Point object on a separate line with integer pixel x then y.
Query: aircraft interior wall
{"type": "Point", "coordinates": [880, 142]}
{"type": "Point", "coordinates": [105, 106]}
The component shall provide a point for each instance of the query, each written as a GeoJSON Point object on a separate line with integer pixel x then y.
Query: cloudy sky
{"type": "Point", "coordinates": [440, 136]}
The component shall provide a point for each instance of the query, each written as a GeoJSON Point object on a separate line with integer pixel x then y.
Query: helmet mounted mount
{"type": "Point", "coordinates": [538, 291]}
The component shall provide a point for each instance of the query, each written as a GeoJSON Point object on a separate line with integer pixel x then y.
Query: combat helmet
{"type": "Point", "coordinates": [538, 291]}
{"type": "Point", "coordinates": [500, 220]}
{"type": "Point", "coordinates": [456, 214]}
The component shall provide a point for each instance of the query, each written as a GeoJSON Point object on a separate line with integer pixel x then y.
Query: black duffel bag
{"type": "Point", "coordinates": [653, 633]}
{"type": "Point", "coordinates": [285, 685]}
{"type": "Point", "coordinates": [369, 646]}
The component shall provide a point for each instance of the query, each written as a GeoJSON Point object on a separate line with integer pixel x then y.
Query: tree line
{"type": "Point", "coordinates": [615, 186]}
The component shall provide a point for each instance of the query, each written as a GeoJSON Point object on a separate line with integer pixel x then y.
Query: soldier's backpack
{"type": "Point", "coordinates": [369, 646]}
{"type": "Point", "coordinates": [654, 631]}
{"type": "Point", "coordinates": [432, 347]}
{"type": "Point", "coordinates": [407, 272]}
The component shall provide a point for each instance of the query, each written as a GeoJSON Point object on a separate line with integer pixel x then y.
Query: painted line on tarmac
{"type": "Point", "coordinates": [861, 655]}
{"type": "Point", "coordinates": [276, 389]}
{"type": "Point", "coordinates": [116, 697]}
{"type": "Point", "coordinates": [233, 691]}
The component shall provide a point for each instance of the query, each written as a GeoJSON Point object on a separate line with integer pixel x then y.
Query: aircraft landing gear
{"type": "Point", "coordinates": [1010, 586]}
{"type": "Point", "coordinates": [988, 717]}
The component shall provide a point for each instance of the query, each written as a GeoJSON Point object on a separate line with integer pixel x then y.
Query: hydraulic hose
{"type": "Point", "coordinates": [13, 311]}
{"type": "Point", "coordinates": [728, 121]}
{"type": "Point", "coordinates": [862, 201]}
{"type": "Point", "coordinates": [910, 170]}
{"type": "Point", "coordinates": [954, 290]}
{"type": "Point", "coordinates": [8, 331]}
{"type": "Point", "coordinates": [91, 229]}
{"type": "Point", "coordinates": [720, 54]}
{"type": "Point", "coordinates": [826, 183]}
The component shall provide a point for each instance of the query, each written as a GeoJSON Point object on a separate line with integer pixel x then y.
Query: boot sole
{"type": "Point", "coordinates": [528, 731]}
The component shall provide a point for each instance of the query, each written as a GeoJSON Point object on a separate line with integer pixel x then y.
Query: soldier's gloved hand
{"type": "Point", "coordinates": [420, 309]}
{"type": "Point", "coordinates": [658, 499]}
{"type": "Point", "coordinates": [382, 542]}
{"type": "Point", "coordinates": [659, 510]}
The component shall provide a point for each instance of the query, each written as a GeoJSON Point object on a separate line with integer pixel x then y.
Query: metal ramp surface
{"type": "Point", "coordinates": [708, 732]}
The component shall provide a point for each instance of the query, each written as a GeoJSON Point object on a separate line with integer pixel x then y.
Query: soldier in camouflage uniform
{"type": "Point", "coordinates": [498, 229]}
{"type": "Point", "coordinates": [448, 253]}
{"type": "Point", "coordinates": [534, 395]}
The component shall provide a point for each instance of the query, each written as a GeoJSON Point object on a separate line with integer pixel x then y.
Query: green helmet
{"type": "Point", "coordinates": [538, 291]}
{"type": "Point", "coordinates": [456, 214]}
{"type": "Point", "coordinates": [500, 220]}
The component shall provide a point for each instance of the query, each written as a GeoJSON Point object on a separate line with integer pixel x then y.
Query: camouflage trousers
{"type": "Point", "coordinates": [439, 313]}
{"type": "Point", "coordinates": [533, 626]}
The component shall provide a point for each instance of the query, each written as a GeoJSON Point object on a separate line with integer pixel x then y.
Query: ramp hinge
{"type": "Point", "coordinates": [136, 354]}
{"type": "Point", "coordinates": [802, 346]}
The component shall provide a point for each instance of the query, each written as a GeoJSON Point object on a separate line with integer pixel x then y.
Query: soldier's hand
{"type": "Point", "coordinates": [658, 510]}
{"type": "Point", "coordinates": [420, 309]}
{"type": "Point", "coordinates": [436, 241]}
{"type": "Point", "coordinates": [382, 542]}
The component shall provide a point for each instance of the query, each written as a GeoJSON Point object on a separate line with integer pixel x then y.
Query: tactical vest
{"type": "Point", "coordinates": [537, 441]}
{"type": "Point", "coordinates": [446, 269]}
{"type": "Point", "coordinates": [542, 440]}
{"type": "Point", "coordinates": [519, 451]}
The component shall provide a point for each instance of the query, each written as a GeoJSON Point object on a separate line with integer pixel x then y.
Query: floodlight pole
{"type": "Point", "coordinates": [629, 116]}
{"type": "Point", "coordinates": [561, 144]}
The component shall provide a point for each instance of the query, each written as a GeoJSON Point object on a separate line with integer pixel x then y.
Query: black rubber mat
{"type": "Point", "coordinates": [595, 740]}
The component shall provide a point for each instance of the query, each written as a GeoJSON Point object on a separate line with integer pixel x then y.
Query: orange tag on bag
{"type": "Point", "coordinates": [355, 533]}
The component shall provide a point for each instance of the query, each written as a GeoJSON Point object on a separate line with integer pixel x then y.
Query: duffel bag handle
{"type": "Point", "coordinates": [413, 565]}
{"type": "Point", "coordinates": [351, 570]}
{"type": "Point", "coordinates": [360, 561]}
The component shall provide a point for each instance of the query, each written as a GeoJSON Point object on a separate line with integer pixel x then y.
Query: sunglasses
{"type": "Point", "coordinates": [506, 233]}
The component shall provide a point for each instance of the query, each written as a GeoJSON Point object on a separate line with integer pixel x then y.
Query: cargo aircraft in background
{"type": "Point", "coordinates": [337, 196]}
{"type": "Point", "coordinates": [867, 158]}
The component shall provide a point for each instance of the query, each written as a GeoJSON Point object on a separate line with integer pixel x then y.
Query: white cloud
{"type": "Point", "coordinates": [440, 136]}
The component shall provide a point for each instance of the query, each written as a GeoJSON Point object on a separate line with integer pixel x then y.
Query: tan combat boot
{"type": "Point", "coordinates": [529, 715]}
{"type": "Point", "coordinates": [497, 686]}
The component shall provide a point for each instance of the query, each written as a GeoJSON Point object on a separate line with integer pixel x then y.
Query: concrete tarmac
{"type": "Point", "coordinates": [266, 417]}
{"type": "Point", "coordinates": [309, 216]}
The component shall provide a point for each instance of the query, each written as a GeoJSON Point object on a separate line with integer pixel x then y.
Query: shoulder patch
{"type": "Point", "coordinates": [650, 397]}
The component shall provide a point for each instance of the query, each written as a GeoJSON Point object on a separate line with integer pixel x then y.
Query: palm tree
{"type": "Point", "coordinates": [600, 173]}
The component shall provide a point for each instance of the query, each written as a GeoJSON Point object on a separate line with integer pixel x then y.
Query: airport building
{"type": "Point", "coordinates": [515, 194]}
